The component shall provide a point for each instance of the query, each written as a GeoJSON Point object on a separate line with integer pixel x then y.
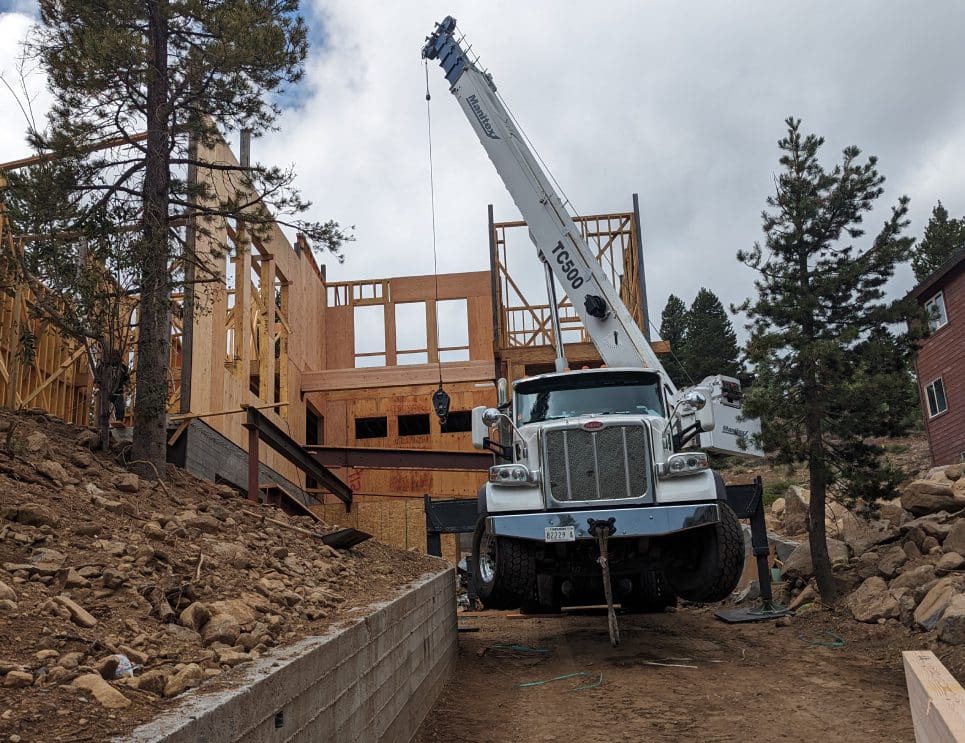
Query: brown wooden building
{"type": "Point", "coordinates": [941, 360]}
{"type": "Point", "coordinates": [345, 369]}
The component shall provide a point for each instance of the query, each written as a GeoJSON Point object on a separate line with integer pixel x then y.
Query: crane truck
{"type": "Point", "coordinates": [601, 472]}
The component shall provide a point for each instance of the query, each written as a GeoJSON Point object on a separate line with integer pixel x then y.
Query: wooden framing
{"type": "Point", "coordinates": [270, 333]}
{"type": "Point", "coordinates": [523, 328]}
{"type": "Point", "coordinates": [51, 372]}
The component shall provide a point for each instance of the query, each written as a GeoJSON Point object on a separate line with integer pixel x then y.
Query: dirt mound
{"type": "Point", "coordinates": [103, 575]}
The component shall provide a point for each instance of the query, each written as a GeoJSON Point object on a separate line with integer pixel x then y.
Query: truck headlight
{"type": "Point", "coordinates": [512, 474]}
{"type": "Point", "coordinates": [685, 463]}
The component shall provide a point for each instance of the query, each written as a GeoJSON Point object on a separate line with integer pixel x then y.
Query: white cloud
{"type": "Point", "coordinates": [682, 103]}
{"type": "Point", "coordinates": [29, 98]}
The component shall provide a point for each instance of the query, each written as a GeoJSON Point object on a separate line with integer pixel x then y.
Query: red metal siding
{"type": "Point", "coordinates": [943, 355]}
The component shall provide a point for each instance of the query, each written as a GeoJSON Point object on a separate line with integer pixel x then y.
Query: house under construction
{"type": "Point", "coordinates": [337, 374]}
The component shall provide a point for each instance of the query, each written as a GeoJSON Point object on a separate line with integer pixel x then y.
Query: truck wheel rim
{"type": "Point", "coordinates": [487, 558]}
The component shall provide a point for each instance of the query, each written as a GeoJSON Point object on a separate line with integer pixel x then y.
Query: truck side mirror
{"type": "Point", "coordinates": [705, 417]}
{"type": "Point", "coordinates": [480, 429]}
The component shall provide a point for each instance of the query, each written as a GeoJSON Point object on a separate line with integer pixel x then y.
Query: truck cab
{"type": "Point", "coordinates": [599, 445]}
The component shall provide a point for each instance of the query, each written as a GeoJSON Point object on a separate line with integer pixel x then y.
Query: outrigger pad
{"type": "Point", "coordinates": [760, 614]}
{"type": "Point", "coordinates": [343, 539]}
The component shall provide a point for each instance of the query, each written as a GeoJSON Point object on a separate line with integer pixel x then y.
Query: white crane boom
{"type": "Point", "coordinates": [615, 335]}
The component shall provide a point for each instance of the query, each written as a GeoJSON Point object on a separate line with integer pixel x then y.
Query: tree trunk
{"type": "Point", "coordinates": [154, 327]}
{"type": "Point", "coordinates": [817, 536]}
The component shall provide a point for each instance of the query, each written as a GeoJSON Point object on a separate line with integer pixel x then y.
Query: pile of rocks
{"type": "Point", "coordinates": [117, 591]}
{"type": "Point", "coordinates": [906, 566]}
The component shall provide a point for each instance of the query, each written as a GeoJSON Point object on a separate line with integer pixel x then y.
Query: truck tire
{"type": "Point", "coordinates": [504, 569]}
{"type": "Point", "coordinates": [651, 594]}
{"type": "Point", "coordinates": [716, 560]}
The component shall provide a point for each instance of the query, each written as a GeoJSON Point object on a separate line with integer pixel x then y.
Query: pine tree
{"type": "Point", "coordinates": [710, 343]}
{"type": "Point", "coordinates": [183, 71]}
{"type": "Point", "coordinates": [673, 328]}
{"type": "Point", "coordinates": [942, 239]}
{"type": "Point", "coordinates": [820, 302]}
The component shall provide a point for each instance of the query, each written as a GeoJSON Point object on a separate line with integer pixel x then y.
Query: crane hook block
{"type": "Point", "coordinates": [595, 306]}
{"type": "Point", "coordinates": [440, 402]}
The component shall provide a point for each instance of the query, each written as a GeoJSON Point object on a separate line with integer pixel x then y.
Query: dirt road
{"type": "Point", "coordinates": [751, 681]}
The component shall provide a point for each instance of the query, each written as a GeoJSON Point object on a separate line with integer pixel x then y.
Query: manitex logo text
{"type": "Point", "coordinates": [739, 433]}
{"type": "Point", "coordinates": [481, 115]}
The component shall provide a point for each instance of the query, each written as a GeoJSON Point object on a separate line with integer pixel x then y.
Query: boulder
{"type": "Point", "coordinates": [195, 616]}
{"type": "Point", "coordinates": [893, 513]}
{"type": "Point", "coordinates": [188, 677]}
{"type": "Point", "coordinates": [102, 691]}
{"type": "Point", "coordinates": [911, 550]}
{"type": "Point", "coordinates": [36, 442]}
{"type": "Point", "coordinates": [222, 628]}
{"type": "Point", "coordinates": [53, 470]}
{"type": "Point", "coordinates": [866, 565]}
{"type": "Point", "coordinates": [955, 541]}
{"type": "Point", "coordinates": [949, 561]}
{"type": "Point", "coordinates": [18, 679]}
{"type": "Point", "coordinates": [873, 601]}
{"type": "Point", "coordinates": [954, 471]}
{"type": "Point", "coordinates": [203, 522]}
{"type": "Point", "coordinates": [913, 578]}
{"type": "Point", "coordinates": [932, 607]}
{"type": "Point", "coordinates": [231, 657]}
{"type": "Point", "coordinates": [799, 565]}
{"type": "Point", "coordinates": [154, 681]}
{"type": "Point", "coordinates": [958, 490]}
{"type": "Point", "coordinates": [233, 554]}
{"type": "Point", "coordinates": [891, 559]}
{"type": "Point", "coordinates": [951, 627]}
{"type": "Point", "coordinates": [241, 609]}
{"type": "Point", "coordinates": [926, 496]}
{"type": "Point", "coordinates": [78, 614]}
{"type": "Point", "coordinates": [782, 546]}
{"type": "Point", "coordinates": [7, 593]}
{"type": "Point", "coordinates": [128, 483]}
{"type": "Point", "coordinates": [934, 525]}
{"type": "Point", "coordinates": [860, 534]}
{"type": "Point", "coordinates": [778, 506]}
{"type": "Point", "coordinates": [30, 514]}
{"type": "Point", "coordinates": [795, 513]}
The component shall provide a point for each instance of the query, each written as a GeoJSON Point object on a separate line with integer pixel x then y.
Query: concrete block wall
{"type": "Point", "coordinates": [374, 679]}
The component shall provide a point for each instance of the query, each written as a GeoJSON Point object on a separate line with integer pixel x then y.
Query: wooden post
{"type": "Point", "coordinates": [13, 365]}
{"type": "Point", "coordinates": [266, 352]}
{"type": "Point", "coordinates": [937, 700]}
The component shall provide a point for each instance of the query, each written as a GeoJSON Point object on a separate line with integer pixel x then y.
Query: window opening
{"type": "Point", "coordinates": [414, 425]}
{"type": "Point", "coordinates": [371, 428]}
{"type": "Point", "coordinates": [458, 421]}
{"type": "Point", "coordinates": [452, 317]}
{"type": "Point", "coordinates": [369, 336]}
{"type": "Point", "coordinates": [937, 316]}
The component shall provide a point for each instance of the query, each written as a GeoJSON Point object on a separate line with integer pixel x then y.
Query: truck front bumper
{"type": "Point", "coordinates": [638, 521]}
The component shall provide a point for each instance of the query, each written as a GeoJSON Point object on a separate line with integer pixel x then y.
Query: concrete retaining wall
{"type": "Point", "coordinates": [374, 679]}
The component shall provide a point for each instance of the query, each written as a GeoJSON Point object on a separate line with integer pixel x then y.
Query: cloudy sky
{"type": "Point", "coordinates": [682, 103]}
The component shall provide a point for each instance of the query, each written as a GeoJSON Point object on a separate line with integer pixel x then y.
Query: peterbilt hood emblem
{"type": "Point", "coordinates": [592, 425]}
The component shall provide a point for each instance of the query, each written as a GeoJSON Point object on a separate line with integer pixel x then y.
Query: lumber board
{"type": "Point", "coordinates": [937, 700]}
{"type": "Point", "coordinates": [399, 376]}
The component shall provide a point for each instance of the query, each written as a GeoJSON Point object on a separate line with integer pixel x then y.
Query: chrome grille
{"type": "Point", "coordinates": [607, 464]}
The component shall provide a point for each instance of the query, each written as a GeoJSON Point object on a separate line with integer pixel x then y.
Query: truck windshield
{"type": "Point", "coordinates": [568, 396]}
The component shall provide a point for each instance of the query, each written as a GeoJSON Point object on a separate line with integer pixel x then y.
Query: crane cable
{"type": "Point", "coordinates": [440, 399]}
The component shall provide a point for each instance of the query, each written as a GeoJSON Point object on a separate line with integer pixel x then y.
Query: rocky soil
{"type": "Point", "coordinates": [118, 594]}
{"type": "Point", "coordinates": [905, 567]}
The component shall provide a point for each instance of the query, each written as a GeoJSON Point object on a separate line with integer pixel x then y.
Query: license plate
{"type": "Point", "coordinates": [560, 533]}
